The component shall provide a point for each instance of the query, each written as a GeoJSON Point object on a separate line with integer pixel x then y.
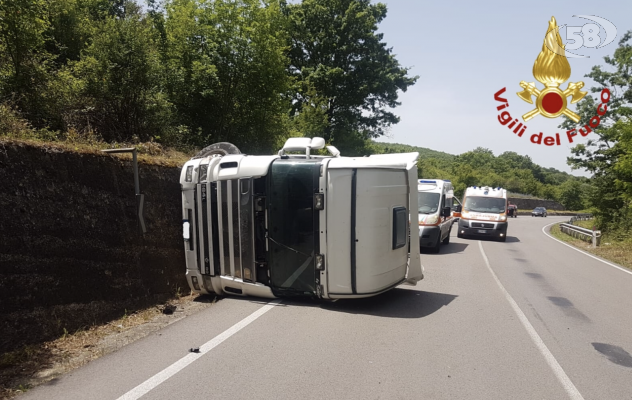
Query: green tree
{"type": "Point", "coordinates": [477, 158]}
{"type": "Point", "coordinates": [550, 192]}
{"type": "Point", "coordinates": [23, 57]}
{"type": "Point", "coordinates": [597, 155]}
{"type": "Point", "coordinates": [572, 195]}
{"type": "Point", "coordinates": [337, 55]}
{"type": "Point", "coordinates": [226, 67]}
{"type": "Point", "coordinates": [605, 153]}
{"type": "Point", "coordinates": [122, 78]}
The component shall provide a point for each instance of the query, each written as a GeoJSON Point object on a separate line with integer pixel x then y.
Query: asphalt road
{"type": "Point", "coordinates": [530, 318]}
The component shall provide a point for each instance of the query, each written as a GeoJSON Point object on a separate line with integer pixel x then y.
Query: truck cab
{"type": "Point", "coordinates": [435, 199]}
{"type": "Point", "coordinates": [484, 213]}
{"type": "Point", "coordinates": [299, 224]}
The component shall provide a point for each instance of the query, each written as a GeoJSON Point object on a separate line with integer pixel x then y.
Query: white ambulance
{"type": "Point", "coordinates": [435, 198]}
{"type": "Point", "coordinates": [484, 213]}
{"type": "Point", "coordinates": [299, 224]}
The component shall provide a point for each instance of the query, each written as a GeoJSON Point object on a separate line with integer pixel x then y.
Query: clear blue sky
{"type": "Point", "coordinates": [465, 51]}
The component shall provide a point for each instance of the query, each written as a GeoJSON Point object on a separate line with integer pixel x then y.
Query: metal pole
{"type": "Point", "coordinates": [140, 198]}
{"type": "Point", "coordinates": [135, 161]}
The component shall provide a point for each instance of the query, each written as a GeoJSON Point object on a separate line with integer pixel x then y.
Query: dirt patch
{"type": "Point", "coordinates": [34, 365]}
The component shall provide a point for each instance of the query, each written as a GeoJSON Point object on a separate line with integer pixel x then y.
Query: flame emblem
{"type": "Point", "coordinates": [552, 69]}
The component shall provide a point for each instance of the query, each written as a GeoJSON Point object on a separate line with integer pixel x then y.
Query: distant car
{"type": "Point", "coordinates": [538, 212]}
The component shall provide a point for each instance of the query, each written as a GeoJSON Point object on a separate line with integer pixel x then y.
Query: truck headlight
{"type": "Point", "coordinates": [319, 201]}
{"type": "Point", "coordinates": [503, 218]}
{"type": "Point", "coordinates": [189, 174]}
{"type": "Point", "coordinates": [194, 280]}
{"type": "Point", "coordinates": [320, 262]}
{"type": "Point", "coordinates": [203, 172]}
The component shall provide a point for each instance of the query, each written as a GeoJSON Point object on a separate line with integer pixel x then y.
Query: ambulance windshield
{"type": "Point", "coordinates": [428, 202]}
{"type": "Point", "coordinates": [485, 204]}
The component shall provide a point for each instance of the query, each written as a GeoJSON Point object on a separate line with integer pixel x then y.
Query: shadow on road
{"type": "Point", "coordinates": [453, 248]}
{"type": "Point", "coordinates": [396, 303]}
{"type": "Point", "coordinates": [207, 298]}
{"type": "Point", "coordinates": [510, 239]}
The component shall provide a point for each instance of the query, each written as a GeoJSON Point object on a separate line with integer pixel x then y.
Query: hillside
{"type": "Point", "coordinates": [512, 171]}
{"type": "Point", "coordinates": [381, 147]}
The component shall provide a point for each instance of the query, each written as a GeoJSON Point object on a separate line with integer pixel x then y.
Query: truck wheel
{"type": "Point", "coordinates": [221, 148]}
{"type": "Point", "coordinates": [447, 238]}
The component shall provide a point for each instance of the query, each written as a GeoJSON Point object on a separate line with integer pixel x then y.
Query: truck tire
{"type": "Point", "coordinates": [447, 238]}
{"type": "Point", "coordinates": [221, 148]}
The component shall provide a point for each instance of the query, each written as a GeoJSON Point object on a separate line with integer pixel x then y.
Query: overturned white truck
{"type": "Point", "coordinates": [299, 224]}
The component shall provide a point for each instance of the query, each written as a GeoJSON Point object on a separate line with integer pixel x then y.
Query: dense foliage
{"type": "Point", "coordinates": [608, 153]}
{"type": "Point", "coordinates": [195, 72]}
{"type": "Point", "coordinates": [518, 174]}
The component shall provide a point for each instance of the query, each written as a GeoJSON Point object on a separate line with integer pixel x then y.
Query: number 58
{"type": "Point", "coordinates": [587, 36]}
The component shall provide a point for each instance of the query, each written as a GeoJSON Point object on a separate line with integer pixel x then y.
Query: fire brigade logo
{"type": "Point", "coordinates": [551, 68]}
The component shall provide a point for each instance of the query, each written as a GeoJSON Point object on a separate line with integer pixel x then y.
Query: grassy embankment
{"type": "Point", "coordinates": [612, 248]}
{"type": "Point", "coordinates": [14, 129]}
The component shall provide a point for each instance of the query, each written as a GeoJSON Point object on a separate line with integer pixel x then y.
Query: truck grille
{"type": "Point", "coordinates": [225, 228]}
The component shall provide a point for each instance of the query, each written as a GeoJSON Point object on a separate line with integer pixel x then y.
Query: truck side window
{"type": "Point", "coordinates": [400, 233]}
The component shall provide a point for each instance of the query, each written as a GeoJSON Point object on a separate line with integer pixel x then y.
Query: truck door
{"type": "Point", "coordinates": [381, 229]}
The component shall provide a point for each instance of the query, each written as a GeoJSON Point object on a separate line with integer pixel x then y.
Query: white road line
{"type": "Point", "coordinates": [583, 252]}
{"type": "Point", "coordinates": [182, 363]}
{"type": "Point", "coordinates": [572, 391]}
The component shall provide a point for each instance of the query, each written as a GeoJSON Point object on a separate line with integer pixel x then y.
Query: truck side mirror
{"type": "Point", "coordinates": [447, 211]}
{"type": "Point", "coordinates": [458, 208]}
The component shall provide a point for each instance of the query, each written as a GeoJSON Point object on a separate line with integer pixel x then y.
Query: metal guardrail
{"type": "Point", "coordinates": [580, 217]}
{"type": "Point", "coordinates": [581, 233]}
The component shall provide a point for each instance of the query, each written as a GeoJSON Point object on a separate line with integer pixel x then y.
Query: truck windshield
{"type": "Point", "coordinates": [428, 202]}
{"type": "Point", "coordinates": [484, 204]}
